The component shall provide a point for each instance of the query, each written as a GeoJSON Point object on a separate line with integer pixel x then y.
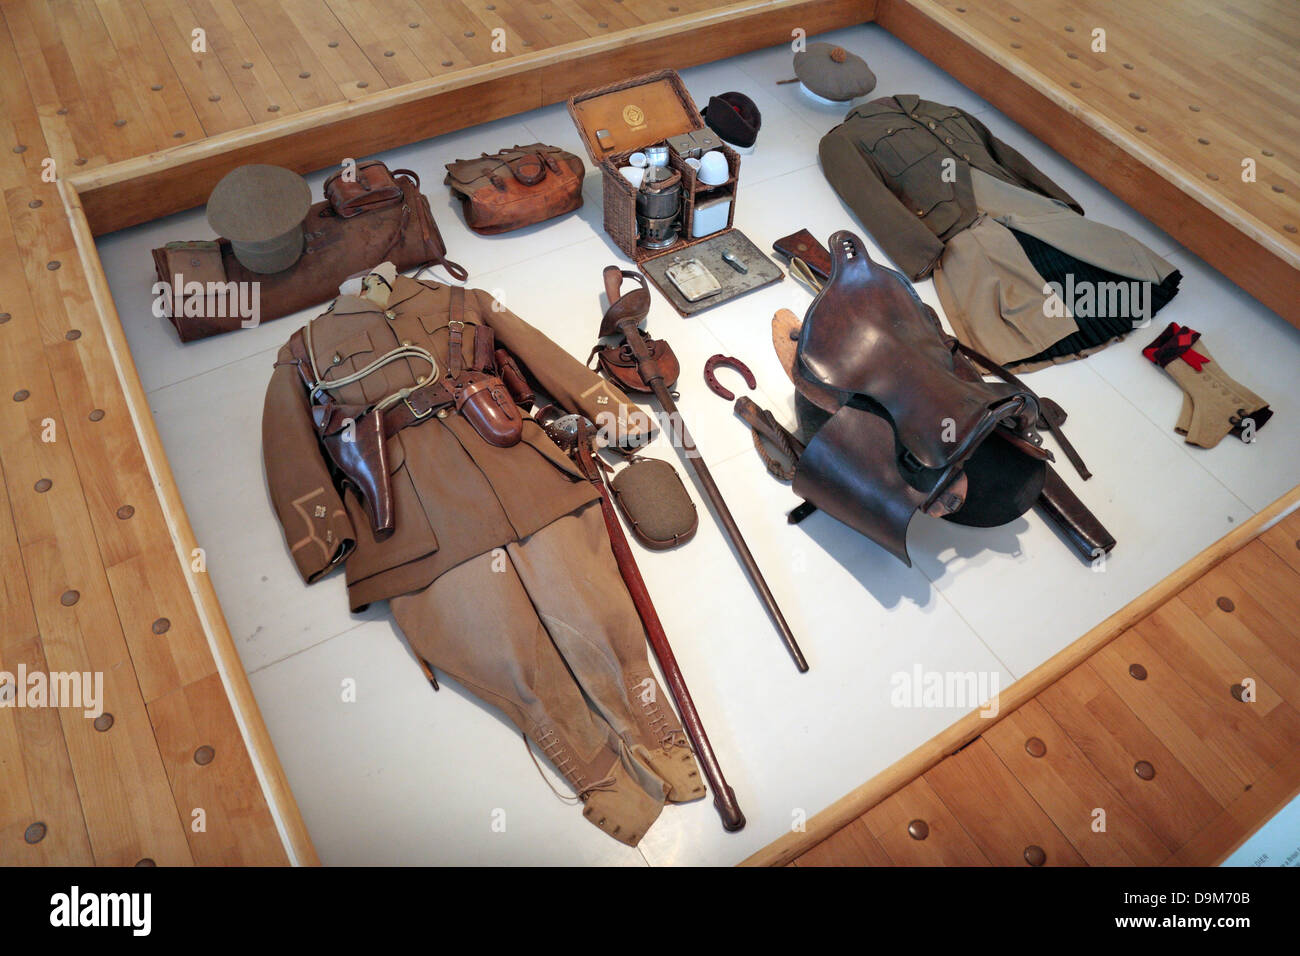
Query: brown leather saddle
{"type": "Point", "coordinates": [901, 419]}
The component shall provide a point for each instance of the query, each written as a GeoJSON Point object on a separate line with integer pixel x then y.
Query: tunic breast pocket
{"type": "Point", "coordinates": [958, 130]}
{"type": "Point", "coordinates": [346, 356]}
{"type": "Point", "coordinates": [349, 354]}
{"type": "Point", "coordinates": [927, 192]}
{"type": "Point", "coordinates": [898, 150]}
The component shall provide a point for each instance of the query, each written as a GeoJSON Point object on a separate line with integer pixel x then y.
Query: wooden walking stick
{"type": "Point", "coordinates": [575, 434]}
{"type": "Point", "coordinates": [624, 316]}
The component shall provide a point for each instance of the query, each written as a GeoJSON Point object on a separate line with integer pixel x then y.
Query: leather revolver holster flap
{"type": "Point", "coordinates": [358, 447]}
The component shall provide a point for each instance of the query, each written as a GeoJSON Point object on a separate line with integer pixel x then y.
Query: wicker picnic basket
{"type": "Point", "coordinates": [622, 118]}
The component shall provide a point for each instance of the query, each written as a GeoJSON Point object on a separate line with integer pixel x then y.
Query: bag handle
{"type": "Point", "coordinates": [409, 174]}
{"type": "Point", "coordinates": [529, 169]}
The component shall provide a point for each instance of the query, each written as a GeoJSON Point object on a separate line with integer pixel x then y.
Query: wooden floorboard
{"type": "Point", "coordinates": [1223, 761]}
{"type": "Point", "coordinates": [1184, 93]}
{"type": "Point", "coordinates": [95, 550]}
{"type": "Point", "coordinates": [431, 83]}
{"type": "Point", "coordinates": [112, 112]}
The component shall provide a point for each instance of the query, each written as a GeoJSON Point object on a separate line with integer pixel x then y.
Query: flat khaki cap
{"type": "Point", "coordinates": [833, 73]}
{"type": "Point", "coordinates": [260, 209]}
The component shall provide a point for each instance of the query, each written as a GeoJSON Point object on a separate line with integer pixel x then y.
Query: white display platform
{"type": "Point", "coordinates": [408, 776]}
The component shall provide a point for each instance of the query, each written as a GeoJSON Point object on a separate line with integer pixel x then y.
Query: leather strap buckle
{"type": "Point", "coordinates": [418, 415]}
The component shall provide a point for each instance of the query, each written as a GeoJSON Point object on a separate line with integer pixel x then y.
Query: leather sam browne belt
{"type": "Point", "coordinates": [356, 436]}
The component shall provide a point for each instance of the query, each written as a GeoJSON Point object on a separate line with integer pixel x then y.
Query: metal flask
{"type": "Point", "coordinates": [658, 201]}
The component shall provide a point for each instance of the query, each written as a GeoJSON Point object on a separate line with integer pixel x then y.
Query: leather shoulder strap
{"type": "Point", "coordinates": [456, 329]}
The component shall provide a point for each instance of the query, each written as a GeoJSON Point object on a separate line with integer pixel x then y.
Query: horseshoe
{"type": "Point", "coordinates": [711, 380]}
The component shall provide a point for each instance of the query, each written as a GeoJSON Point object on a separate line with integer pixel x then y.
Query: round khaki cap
{"type": "Point", "coordinates": [260, 209]}
{"type": "Point", "coordinates": [833, 73]}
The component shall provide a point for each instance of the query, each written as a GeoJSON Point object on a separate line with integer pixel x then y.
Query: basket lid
{"type": "Point", "coordinates": [633, 113]}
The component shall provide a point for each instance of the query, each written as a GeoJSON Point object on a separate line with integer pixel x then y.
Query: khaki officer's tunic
{"type": "Point", "coordinates": [889, 158]}
{"type": "Point", "coordinates": [455, 496]}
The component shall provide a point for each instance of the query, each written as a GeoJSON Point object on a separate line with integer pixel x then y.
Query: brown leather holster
{"type": "Point", "coordinates": [901, 420]}
{"type": "Point", "coordinates": [356, 436]}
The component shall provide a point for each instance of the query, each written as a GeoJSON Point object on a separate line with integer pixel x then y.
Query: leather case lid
{"type": "Point", "coordinates": [638, 112]}
{"type": "Point", "coordinates": [762, 270]}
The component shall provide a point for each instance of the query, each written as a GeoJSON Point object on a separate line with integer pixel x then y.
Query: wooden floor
{"type": "Point", "coordinates": [1190, 113]}
{"type": "Point", "coordinates": [111, 114]}
{"type": "Point", "coordinates": [1166, 694]}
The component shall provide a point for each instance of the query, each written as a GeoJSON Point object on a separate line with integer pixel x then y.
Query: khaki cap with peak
{"type": "Point", "coordinates": [260, 209]}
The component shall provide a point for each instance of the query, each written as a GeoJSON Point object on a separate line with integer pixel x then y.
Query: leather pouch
{"type": "Point", "coordinates": [374, 185]}
{"type": "Point", "coordinates": [619, 365]}
{"type": "Point", "coordinates": [514, 379]}
{"type": "Point", "coordinates": [486, 404]}
{"type": "Point", "coordinates": [516, 187]}
{"type": "Point", "coordinates": [655, 503]}
{"type": "Point", "coordinates": [180, 264]}
{"type": "Point", "coordinates": [803, 245]}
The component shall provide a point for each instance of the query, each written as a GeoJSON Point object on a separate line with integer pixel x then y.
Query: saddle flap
{"type": "Point", "coordinates": [868, 335]}
{"type": "Point", "coordinates": [848, 470]}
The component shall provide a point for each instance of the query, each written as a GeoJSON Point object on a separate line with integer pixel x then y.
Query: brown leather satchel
{"type": "Point", "coordinates": [516, 187]}
{"type": "Point", "coordinates": [370, 184]}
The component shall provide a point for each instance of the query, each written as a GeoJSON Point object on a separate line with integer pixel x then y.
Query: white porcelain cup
{"type": "Point", "coordinates": [713, 168]}
{"type": "Point", "coordinates": [639, 160]}
{"type": "Point", "coordinates": [633, 174]}
{"type": "Point", "coordinates": [694, 163]}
